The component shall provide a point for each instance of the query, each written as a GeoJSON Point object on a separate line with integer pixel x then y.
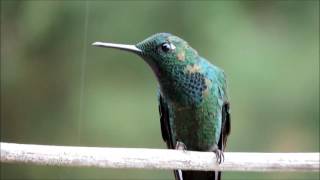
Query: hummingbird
{"type": "Point", "coordinates": [192, 95]}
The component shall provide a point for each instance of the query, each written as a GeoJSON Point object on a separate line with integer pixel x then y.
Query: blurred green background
{"type": "Point", "coordinates": [269, 50]}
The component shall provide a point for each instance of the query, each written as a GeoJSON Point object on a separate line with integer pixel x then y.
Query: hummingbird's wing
{"type": "Point", "coordinates": [226, 118]}
{"type": "Point", "coordinates": [166, 130]}
{"type": "Point", "coordinates": [226, 126]}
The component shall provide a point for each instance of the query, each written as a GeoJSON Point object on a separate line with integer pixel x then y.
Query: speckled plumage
{"type": "Point", "coordinates": [193, 89]}
{"type": "Point", "coordinates": [193, 99]}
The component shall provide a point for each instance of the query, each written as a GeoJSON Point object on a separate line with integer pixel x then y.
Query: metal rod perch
{"type": "Point", "coordinates": [155, 158]}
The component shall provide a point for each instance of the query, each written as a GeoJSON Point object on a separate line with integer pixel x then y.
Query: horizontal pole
{"type": "Point", "coordinates": [155, 158]}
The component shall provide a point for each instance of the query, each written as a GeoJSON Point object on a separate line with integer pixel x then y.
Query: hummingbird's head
{"type": "Point", "coordinates": [164, 52]}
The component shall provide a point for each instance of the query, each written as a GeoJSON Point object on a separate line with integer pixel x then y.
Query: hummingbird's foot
{"type": "Point", "coordinates": [180, 146]}
{"type": "Point", "coordinates": [219, 154]}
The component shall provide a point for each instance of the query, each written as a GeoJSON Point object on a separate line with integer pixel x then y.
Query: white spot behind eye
{"type": "Point", "coordinates": [173, 47]}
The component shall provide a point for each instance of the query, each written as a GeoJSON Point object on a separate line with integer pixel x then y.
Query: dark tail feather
{"type": "Point", "coordinates": [177, 175]}
{"type": "Point", "coordinates": [197, 175]}
{"type": "Point", "coordinates": [219, 175]}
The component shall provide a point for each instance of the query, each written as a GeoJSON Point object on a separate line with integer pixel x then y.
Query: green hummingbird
{"type": "Point", "coordinates": [192, 94]}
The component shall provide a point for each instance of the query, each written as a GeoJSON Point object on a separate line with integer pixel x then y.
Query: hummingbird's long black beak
{"type": "Point", "coordinates": [130, 48]}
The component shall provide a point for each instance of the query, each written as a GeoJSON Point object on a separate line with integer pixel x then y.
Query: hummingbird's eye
{"type": "Point", "coordinates": [165, 47]}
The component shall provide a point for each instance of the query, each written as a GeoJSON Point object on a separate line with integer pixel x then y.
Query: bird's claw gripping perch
{"type": "Point", "coordinates": [219, 155]}
{"type": "Point", "coordinates": [181, 146]}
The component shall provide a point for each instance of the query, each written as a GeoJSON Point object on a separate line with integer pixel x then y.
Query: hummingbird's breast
{"type": "Point", "coordinates": [195, 103]}
{"type": "Point", "coordinates": [186, 85]}
{"type": "Point", "coordinates": [196, 127]}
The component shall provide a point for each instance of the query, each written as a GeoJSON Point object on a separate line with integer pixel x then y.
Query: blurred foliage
{"type": "Point", "coordinates": [269, 50]}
